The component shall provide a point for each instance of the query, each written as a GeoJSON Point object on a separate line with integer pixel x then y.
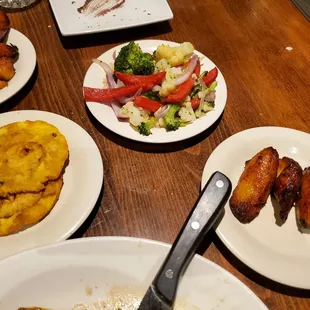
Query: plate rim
{"type": "Point", "coordinates": [32, 59]}
{"type": "Point", "coordinates": [144, 139]}
{"type": "Point", "coordinates": [134, 240]}
{"type": "Point", "coordinates": [97, 187]}
{"type": "Point", "coordinates": [222, 235]}
{"type": "Point", "coordinates": [67, 33]}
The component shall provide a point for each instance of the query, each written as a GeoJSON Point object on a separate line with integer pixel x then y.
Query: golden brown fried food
{"type": "Point", "coordinates": [7, 70]}
{"type": "Point", "coordinates": [287, 185]}
{"type": "Point", "coordinates": [4, 24]}
{"type": "Point", "coordinates": [35, 213]}
{"type": "Point", "coordinates": [3, 84]}
{"type": "Point", "coordinates": [10, 51]}
{"type": "Point", "coordinates": [303, 204]}
{"type": "Point", "coordinates": [17, 203]}
{"type": "Point", "coordinates": [31, 153]}
{"type": "Point", "coordinates": [254, 186]}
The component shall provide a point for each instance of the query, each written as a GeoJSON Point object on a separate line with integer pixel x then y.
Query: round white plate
{"type": "Point", "coordinates": [24, 66]}
{"type": "Point", "coordinates": [279, 253]}
{"type": "Point", "coordinates": [104, 114]}
{"type": "Point", "coordinates": [86, 270]}
{"type": "Point", "coordinates": [83, 179]}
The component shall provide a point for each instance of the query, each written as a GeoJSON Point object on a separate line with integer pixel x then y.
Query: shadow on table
{"type": "Point", "coordinates": [87, 223]}
{"type": "Point", "coordinates": [152, 147]}
{"type": "Point", "coordinates": [116, 36]}
{"type": "Point", "coordinates": [20, 95]}
{"type": "Point", "coordinates": [256, 277]}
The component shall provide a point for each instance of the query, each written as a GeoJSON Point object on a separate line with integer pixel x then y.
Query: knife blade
{"type": "Point", "coordinates": [212, 199]}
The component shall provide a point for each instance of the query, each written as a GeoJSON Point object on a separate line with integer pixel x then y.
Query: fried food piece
{"type": "Point", "coordinates": [7, 70]}
{"type": "Point", "coordinates": [302, 205]}
{"type": "Point", "coordinates": [31, 153]}
{"type": "Point", "coordinates": [287, 185]}
{"type": "Point", "coordinates": [3, 84]}
{"type": "Point", "coordinates": [35, 213]}
{"type": "Point", "coordinates": [254, 186]}
{"type": "Point", "coordinates": [10, 51]}
{"type": "Point", "coordinates": [4, 24]}
{"type": "Point", "coordinates": [17, 203]}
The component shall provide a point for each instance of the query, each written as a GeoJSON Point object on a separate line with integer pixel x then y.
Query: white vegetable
{"type": "Point", "coordinates": [186, 112]}
{"type": "Point", "coordinates": [135, 114]}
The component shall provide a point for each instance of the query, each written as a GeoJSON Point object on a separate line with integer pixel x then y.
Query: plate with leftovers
{"type": "Point", "coordinates": [50, 179]}
{"type": "Point", "coordinates": [17, 59]}
{"type": "Point", "coordinates": [92, 16]}
{"type": "Point", "coordinates": [267, 217]}
{"type": "Point", "coordinates": [113, 273]}
{"type": "Point", "coordinates": [155, 91]}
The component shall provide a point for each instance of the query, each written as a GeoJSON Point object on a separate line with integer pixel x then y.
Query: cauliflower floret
{"type": "Point", "coordinates": [162, 123]}
{"type": "Point", "coordinates": [135, 114]}
{"type": "Point", "coordinates": [187, 113]}
{"type": "Point", "coordinates": [162, 65]}
{"type": "Point", "coordinates": [169, 84]}
{"type": "Point", "coordinates": [176, 55]}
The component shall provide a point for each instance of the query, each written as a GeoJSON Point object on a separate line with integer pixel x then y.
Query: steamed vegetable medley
{"type": "Point", "coordinates": [165, 89]}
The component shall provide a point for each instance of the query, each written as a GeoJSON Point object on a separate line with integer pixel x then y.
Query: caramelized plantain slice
{"type": "Point", "coordinates": [4, 24]}
{"type": "Point", "coordinates": [7, 70]}
{"type": "Point", "coordinates": [10, 51]}
{"type": "Point", "coordinates": [254, 186]}
{"type": "Point", "coordinates": [287, 185]}
{"type": "Point", "coordinates": [303, 203]}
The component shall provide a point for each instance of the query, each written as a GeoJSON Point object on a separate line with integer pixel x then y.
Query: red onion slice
{"type": "Point", "coordinates": [119, 83]}
{"type": "Point", "coordinates": [156, 88]}
{"type": "Point", "coordinates": [117, 110]}
{"type": "Point", "coordinates": [114, 55]}
{"type": "Point", "coordinates": [161, 112]}
{"type": "Point", "coordinates": [211, 96]}
{"type": "Point", "coordinates": [124, 100]}
{"type": "Point", "coordinates": [187, 73]}
{"type": "Point", "coordinates": [108, 71]}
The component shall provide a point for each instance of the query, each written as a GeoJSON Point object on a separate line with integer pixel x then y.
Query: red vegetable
{"type": "Point", "coordinates": [130, 79]}
{"type": "Point", "coordinates": [210, 77]}
{"type": "Point", "coordinates": [182, 91]}
{"type": "Point", "coordinates": [109, 94]}
{"type": "Point", "coordinates": [195, 103]}
{"type": "Point", "coordinates": [147, 104]}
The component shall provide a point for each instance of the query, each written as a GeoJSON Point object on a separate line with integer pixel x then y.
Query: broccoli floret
{"type": "Point", "coordinates": [171, 120]}
{"type": "Point", "coordinates": [145, 127]}
{"type": "Point", "coordinates": [151, 95]}
{"type": "Point", "coordinates": [132, 60]}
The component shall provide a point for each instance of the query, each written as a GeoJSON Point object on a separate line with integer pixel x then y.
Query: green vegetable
{"type": "Point", "coordinates": [171, 120]}
{"type": "Point", "coordinates": [145, 127]}
{"type": "Point", "coordinates": [212, 86]}
{"type": "Point", "coordinates": [151, 95]}
{"type": "Point", "coordinates": [195, 91]}
{"type": "Point", "coordinates": [132, 60]}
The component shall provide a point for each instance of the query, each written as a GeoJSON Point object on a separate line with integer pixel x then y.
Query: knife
{"type": "Point", "coordinates": [212, 199]}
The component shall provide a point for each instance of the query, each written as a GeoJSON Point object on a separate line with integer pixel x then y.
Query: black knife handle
{"type": "Point", "coordinates": [206, 210]}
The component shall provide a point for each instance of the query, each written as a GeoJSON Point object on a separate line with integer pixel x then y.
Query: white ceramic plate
{"type": "Point", "coordinates": [83, 179]}
{"type": "Point", "coordinates": [105, 115]}
{"type": "Point", "coordinates": [131, 14]}
{"type": "Point", "coordinates": [24, 66]}
{"type": "Point", "coordinates": [279, 253]}
{"type": "Point", "coordinates": [85, 271]}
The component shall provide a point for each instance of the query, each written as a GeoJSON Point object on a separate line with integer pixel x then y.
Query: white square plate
{"type": "Point", "coordinates": [130, 13]}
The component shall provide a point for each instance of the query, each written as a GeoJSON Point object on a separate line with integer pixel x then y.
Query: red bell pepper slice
{"type": "Point", "coordinates": [182, 91]}
{"type": "Point", "coordinates": [195, 103]}
{"type": "Point", "coordinates": [147, 104]}
{"type": "Point", "coordinates": [109, 94]}
{"type": "Point", "coordinates": [210, 77]}
{"type": "Point", "coordinates": [130, 79]}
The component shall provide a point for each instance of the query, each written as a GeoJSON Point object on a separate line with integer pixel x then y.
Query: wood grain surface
{"type": "Point", "coordinates": [149, 189]}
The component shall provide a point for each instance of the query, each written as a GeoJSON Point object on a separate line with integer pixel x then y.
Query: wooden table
{"type": "Point", "coordinates": [149, 190]}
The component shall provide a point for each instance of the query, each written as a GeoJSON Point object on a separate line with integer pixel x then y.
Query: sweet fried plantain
{"type": "Point", "coordinates": [287, 185]}
{"type": "Point", "coordinates": [35, 213]}
{"type": "Point", "coordinates": [3, 84]}
{"type": "Point", "coordinates": [255, 184]}
{"type": "Point", "coordinates": [10, 51]}
{"type": "Point", "coordinates": [7, 70]}
{"type": "Point", "coordinates": [4, 24]}
{"type": "Point", "coordinates": [303, 203]}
